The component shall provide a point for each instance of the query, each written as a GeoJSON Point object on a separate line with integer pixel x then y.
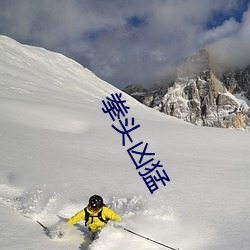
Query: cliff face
{"type": "Point", "coordinates": [201, 97]}
{"type": "Point", "coordinates": [237, 81]}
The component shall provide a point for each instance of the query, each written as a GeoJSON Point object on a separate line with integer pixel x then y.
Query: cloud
{"type": "Point", "coordinates": [228, 28]}
{"type": "Point", "coordinates": [130, 41]}
{"type": "Point", "coordinates": [233, 49]}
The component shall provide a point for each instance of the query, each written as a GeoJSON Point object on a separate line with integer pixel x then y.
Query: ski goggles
{"type": "Point", "coordinates": [94, 208]}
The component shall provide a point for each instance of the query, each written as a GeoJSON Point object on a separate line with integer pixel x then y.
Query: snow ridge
{"type": "Point", "coordinates": [58, 148]}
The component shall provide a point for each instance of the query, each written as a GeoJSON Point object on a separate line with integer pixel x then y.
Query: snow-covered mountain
{"type": "Point", "coordinates": [237, 81]}
{"type": "Point", "coordinates": [201, 95]}
{"type": "Point", "coordinates": [58, 148]}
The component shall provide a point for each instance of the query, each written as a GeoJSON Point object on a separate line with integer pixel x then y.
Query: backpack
{"type": "Point", "coordinates": [88, 216]}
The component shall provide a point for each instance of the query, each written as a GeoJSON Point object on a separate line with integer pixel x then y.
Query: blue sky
{"type": "Point", "coordinates": [131, 41]}
{"type": "Point", "coordinates": [218, 17]}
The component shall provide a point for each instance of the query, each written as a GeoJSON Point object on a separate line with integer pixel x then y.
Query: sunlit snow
{"type": "Point", "coordinates": [58, 148]}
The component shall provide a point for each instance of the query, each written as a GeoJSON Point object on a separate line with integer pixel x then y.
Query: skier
{"type": "Point", "coordinates": [95, 214]}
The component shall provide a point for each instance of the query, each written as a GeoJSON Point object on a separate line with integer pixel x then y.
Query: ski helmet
{"type": "Point", "coordinates": [96, 202]}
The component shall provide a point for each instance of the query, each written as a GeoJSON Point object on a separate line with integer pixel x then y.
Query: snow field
{"type": "Point", "coordinates": [58, 148]}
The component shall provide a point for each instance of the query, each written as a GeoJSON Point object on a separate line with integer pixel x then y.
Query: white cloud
{"type": "Point", "coordinates": [233, 50]}
{"type": "Point", "coordinates": [228, 28]}
{"type": "Point", "coordinates": [97, 32]}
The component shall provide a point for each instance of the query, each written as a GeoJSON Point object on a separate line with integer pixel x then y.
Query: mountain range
{"type": "Point", "coordinates": [202, 94]}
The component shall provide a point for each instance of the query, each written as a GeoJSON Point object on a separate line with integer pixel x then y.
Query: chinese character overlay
{"type": "Point", "coordinates": [132, 154]}
{"type": "Point", "coordinates": [149, 170]}
{"type": "Point", "coordinates": [162, 178]}
{"type": "Point", "coordinates": [139, 155]}
{"type": "Point", "coordinates": [150, 183]}
{"type": "Point", "coordinates": [125, 131]}
{"type": "Point", "coordinates": [115, 106]}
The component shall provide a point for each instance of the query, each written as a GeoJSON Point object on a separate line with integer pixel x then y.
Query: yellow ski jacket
{"type": "Point", "coordinates": [94, 223]}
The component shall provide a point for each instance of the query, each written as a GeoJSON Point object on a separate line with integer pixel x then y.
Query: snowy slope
{"type": "Point", "coordinates": [58, 148]}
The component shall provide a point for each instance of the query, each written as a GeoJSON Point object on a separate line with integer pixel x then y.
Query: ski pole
{"type": "Point", "coordinates": [45, 228]}
{"type": "Point", "coordinates": [149, 239]}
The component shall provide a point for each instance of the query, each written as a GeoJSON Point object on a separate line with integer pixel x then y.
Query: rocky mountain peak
{"type": "Point", "coordinates": [200, 96]}
{"type": "Point", "coordinates": [196, 64]}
